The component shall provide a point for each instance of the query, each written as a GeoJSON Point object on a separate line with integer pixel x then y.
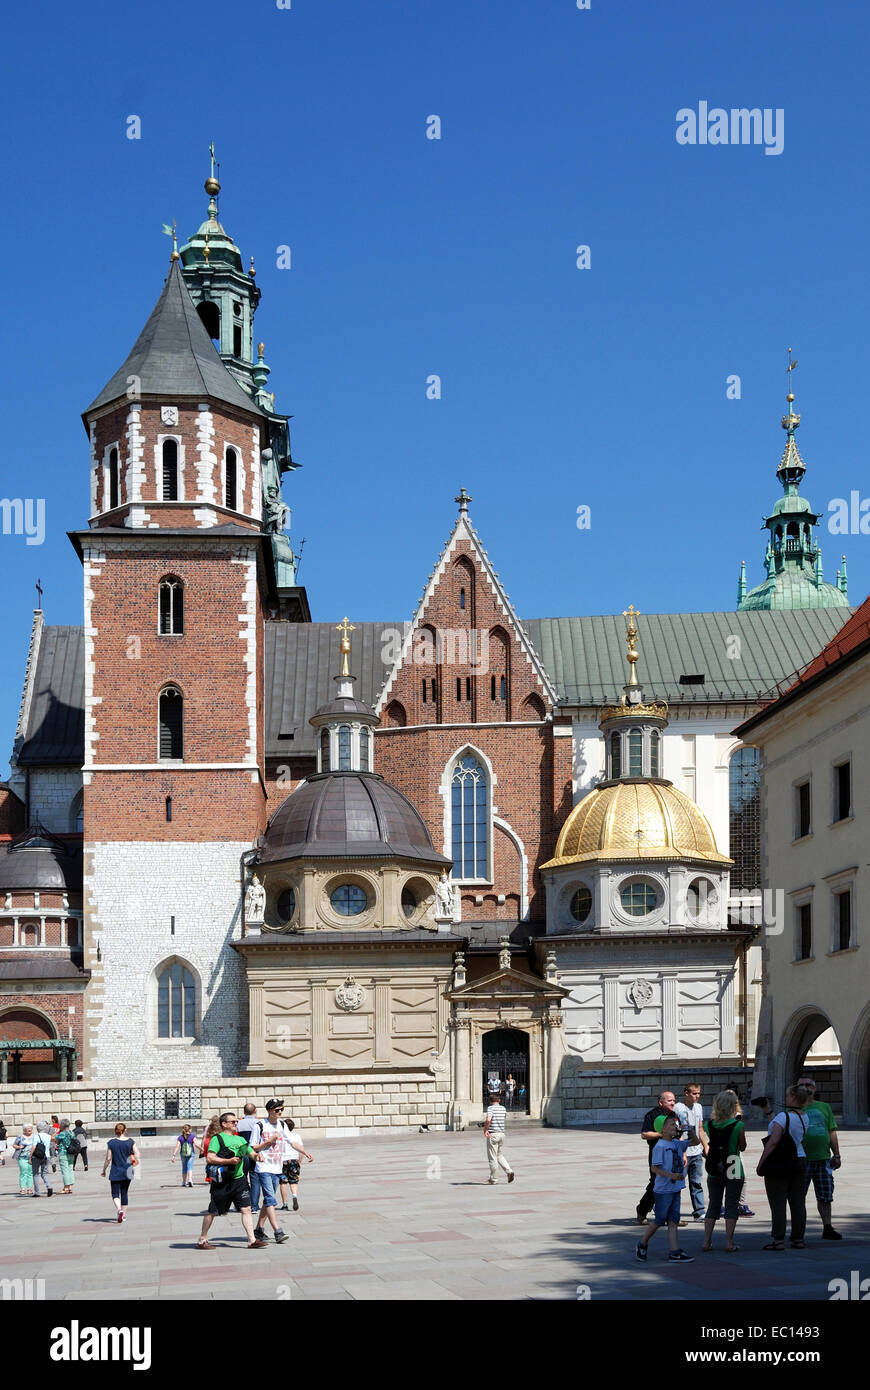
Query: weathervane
{"type": "Point", "coordinates": [790, 421]}
{"type": "Point", "coordinates": [173, 232]}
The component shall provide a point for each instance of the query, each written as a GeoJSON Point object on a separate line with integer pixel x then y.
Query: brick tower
{"type": "Point", "coordinates": [183, 557]}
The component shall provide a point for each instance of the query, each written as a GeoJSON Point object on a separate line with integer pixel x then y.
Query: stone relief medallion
{"type": "Point", "coordinates": [350, 995]}
{"type": "Point", "coordinates": [640, 993]}
{"type": "Point", "coordinates": [169, 414]}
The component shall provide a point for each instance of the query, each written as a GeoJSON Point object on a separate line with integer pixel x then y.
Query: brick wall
{"type": "Point", "coordinates": [17, 1022]}
{"type": "Point", "coordinates": [11, 814]}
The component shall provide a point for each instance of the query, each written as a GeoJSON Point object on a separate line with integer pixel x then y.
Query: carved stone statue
{"type": "Point", "coordinates": [255, 902]}
{"type": "Point", "coordinates": [444, 898]}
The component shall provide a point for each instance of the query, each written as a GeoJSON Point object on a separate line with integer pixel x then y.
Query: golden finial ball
{"type": "Point", "coordinates": [212, 187]}
{"type": "Point", "coordinates": [789, 397]}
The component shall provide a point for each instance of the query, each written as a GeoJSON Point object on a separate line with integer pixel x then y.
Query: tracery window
{"type": "Point", "coordinates": [176, 1002]}
{"type": "Point", "coordinates": [470, 819]}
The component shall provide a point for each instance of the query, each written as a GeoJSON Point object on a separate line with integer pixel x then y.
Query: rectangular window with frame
{"type": "Point", "coordinates": [843, 920]}
{"type": "Point", "coordinates": [842, 791]}
{"type": "Point", "coordinates": [804, 931]}
{"type": "Point", "coordinates": [802, 810]}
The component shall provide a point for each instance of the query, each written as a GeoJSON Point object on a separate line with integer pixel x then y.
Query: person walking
{"type": "Point", "coordinates": [726, 1141]}
{"type": "Point", "coordinates": [22, 1149]}
{"type": "Point", "coordinates": [67, 1148]}
{"type": "Point", "coordinates": [668, 1167]}
{"type": "Point", "coordinates": [40, 1159]}
{"type": "Point", "coordinates": [274, 1134]}
{"type": "Point", "coordinates": [691, 1117]}
{"type": "Point", "coordinates": [185, 1146]}
{"type": "Point", "coordinates": [55, 1130]}
{"type": "Point", "coordinates": [251, 1128]}
{"type": "Point", "coordinates": [228, 1150]}
{"type": "Point", "coordinates": [212, 1128]}
{"type": "Point", "coordinates": [666, 1105]}
{"type": "Point", "coordinates": [122, 1156]}
{"type": "Point", "coordinates": [291, 1168]}
{"type": "Point", "coordinates": [822, 1146]}
{"type": "Point", "coordinates": [4, 1144]}
{"type": "Point", "coordinates": [494, 1133]}
{"type": "Point", "coordinates": [81, 1135]}
{"type": "Point", "coordinates": [510, 1088]}
{"type": "Point", "coordinates": [783, 1165]}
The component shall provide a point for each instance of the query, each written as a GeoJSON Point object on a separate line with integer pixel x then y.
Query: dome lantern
{"type": "Point", "coordinates": [345, 724]}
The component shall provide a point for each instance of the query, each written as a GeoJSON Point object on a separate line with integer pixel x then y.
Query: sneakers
{"type": "Point", "coordinates": [285, 1207]}
{"type": "Point", "coordinates": [679, 1257]}
{"type": "Point", "coordinates": [280, 1237]}
{"type": "Point", "coordinates": [511, 1177]}
{"type": "Point", "coordinates": [699, 1216]}
{"type": "Point", "coordinates": [492, 1182]}
{"type": "Point", "coordinates": [640, 1251]}
{"type": "Point", "coordinates": [295, 1203]}
{"type": "Point", "coordinates": [744, 1210]}
{"type": "Point", "coordinates": [120, 1217]}
{"type": "Point", "coordinates": [828, 1233]}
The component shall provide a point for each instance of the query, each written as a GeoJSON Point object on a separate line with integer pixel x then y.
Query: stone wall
{"type": "Point", "coordinates": [324, 1105]}
{"type": "Point", "coordinates": [53, 791]}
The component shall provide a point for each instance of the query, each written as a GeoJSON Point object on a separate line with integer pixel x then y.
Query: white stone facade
{"type": "Point", "coordinates": [133, 891]}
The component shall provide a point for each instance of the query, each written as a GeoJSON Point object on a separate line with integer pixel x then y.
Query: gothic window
{"type": "Point", "coordinates": [396, 715]}
{"type": "Point", "coordinates": [615, 755]}
{"type": "Point", "coordinates": [230, 472]}
{"type": "Point", "coordinates": [113, 479]}
{"type": "Point", "coordinates": [503, 688]}
{"type": "Point", "coordinates": [170, 606]}
{"type": "Point", "coordinates": [364, 750]}
{"type": "Point", "coordinates": [324, 750]}
{"type": "Point", "coordinates": [170, 470]}
{"type": "Point", "coordinates": [635, 753]}
{"type": "Point", "coordinates": [654, 753]}
{"type": "Point", "coordinates": [470, 820]}
{"type": "Point", "coordinates": [744, 820]}
{"type": "Point", "coordinates": [176, 1002]}
{"type": "Point", "coordinates": [344, 748]}
{"type": "Point", "coordinates": [171, 723]}
{"type": "Point", "coordinates": [461, 598]}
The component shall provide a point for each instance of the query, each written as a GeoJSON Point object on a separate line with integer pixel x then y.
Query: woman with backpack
{"type": "Point", "coordinates": [783, 1166]}
{"type": "Point", "coordinates": [185, 1145]}
{"type": "Point", "coordinates": [67, 1148]}
{"type": "Point", "coordinates": [726, 1136]}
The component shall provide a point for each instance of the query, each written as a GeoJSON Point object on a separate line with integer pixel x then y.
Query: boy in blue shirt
{"type": "Point", "coordinates": [668, 1163]}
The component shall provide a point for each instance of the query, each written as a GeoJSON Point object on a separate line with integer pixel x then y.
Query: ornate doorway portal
{"type": "Point", "coordinates": [506, 1053]}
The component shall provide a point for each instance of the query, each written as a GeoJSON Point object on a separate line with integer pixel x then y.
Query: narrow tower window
{"type": "Point", "coordinates": [344, 748]}
{"type": "Point", "coordinates": [461, 598]}
{"type": "Point", "coordinates": [654, 742]}
{"type": "Point", "coordinates": [230, 480]}
{"type": "Point", "coordinates": [113, 480]}
{"type": "Point", "coordinates": [170, 470]}
{"type": "Point", "coordinates": [171, 606]}
{"type": "Point", "coordinates": [324, 751]}
{"type": "Point", "coordinates": [364, 745]}
{"type": "Point", "coordinates": [615, 755]}
{"type": "Point", "coordinates": [237, 341]}
{"type": "Point", "coordinates": [171, 723]}
{"type": "Point", "coordinates": [635, 753]}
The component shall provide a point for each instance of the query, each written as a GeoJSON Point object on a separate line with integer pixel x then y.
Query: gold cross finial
{"type": "Point", "coordinates": [345, 628]}
{"type": "Point", "coordinates": [632, 654]}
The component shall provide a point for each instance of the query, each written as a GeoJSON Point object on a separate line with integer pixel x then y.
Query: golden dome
{"type": "Point", "coordinates": [636, 820]}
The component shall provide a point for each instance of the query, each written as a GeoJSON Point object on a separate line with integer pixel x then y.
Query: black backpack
{"type": "Point", "coordinates": [73, 1148]}
{"type": "Point", "coordinates": [783, 1161]}
{"type": "Point", "coordinates": [719, 1144]}
{"type": "Point", "coordinates": [37, 1153]}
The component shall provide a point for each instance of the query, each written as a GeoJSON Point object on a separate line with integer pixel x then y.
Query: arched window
{"type": "Point", "coordinates": [210, 314]}
{"type": "Point", "coordinates": [171, 723]}
{"type": "Point", "coordinates": [344, 748]}
{"type": "Point", "coordinates": [113, 480]}
{"type": "Point", "coordinates": [176, 1002]}
{"type": "Point", "coordinates": [364, 753]}
{"type": "Point", "coordinates": [533, 707]}
{"type": "Point", "coordinates": [744, 820]}
{"type": "Point", "coordinates": [470, 817]}
{"type": "Point", "coordinates": [615, 755]}
{"type": "Point", "coordinates": [635, 753]}
{"type": "Point", "coordinates": [170, 606]}
{"type": "Point", "coordinates": [396, 716]}
{"type": "Point", "coordinates": [324, 750]}
{"type": "Point", "coordinates": [170, 470]}
{"type": "Point", "coordinates": [230, 471]}
{"type": "Point", "coordinates": [77, 813]}
{"type": "Point", "coordinates": [655, 739]}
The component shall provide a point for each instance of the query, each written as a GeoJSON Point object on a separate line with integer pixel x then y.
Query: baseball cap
{"type": "Point", "coordinates": [273, 1104]}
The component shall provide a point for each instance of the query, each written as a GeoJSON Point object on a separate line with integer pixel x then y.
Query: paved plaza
{"type": "Point", "coordinates": [412, 1217]}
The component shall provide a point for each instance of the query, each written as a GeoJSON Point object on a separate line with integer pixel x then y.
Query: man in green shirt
{"type": "Point", "coordinates": [232, 1190]}
{"type": "Point", "coordinates": [822, 1147]}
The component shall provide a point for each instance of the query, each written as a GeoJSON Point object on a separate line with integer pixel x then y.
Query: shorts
{"type": "Point", "coordinates": [822, 1179]}
{"type": "Point", "coordinates": [269, 1188]}
{"type": "Point", "coordinates": [224, 1195]}
{"type": "Point", "coordinates": [666, 1207]}
{"type": "Point", "coordinates": [291, 1171]}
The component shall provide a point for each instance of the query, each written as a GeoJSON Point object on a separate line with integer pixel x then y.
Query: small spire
{"type": "Point", "coordinates": [842, 580]}
{"type": "Point", "coordinates": [212, 185]}
{"type": "Point", "coordinates": [818, 568]}
{"type": "Point", "coordinates": [791, 421]}
{"type": "Point", "coordinates": [39, 595]}
{"type": "Point", "coordinates": [463, 499]}
{"type": "Point", "coordinates": [345, 628]}
{"type": "Point", "coordinates": [741, 583]}
{"type": "Point", "coordinates": [632, 654]}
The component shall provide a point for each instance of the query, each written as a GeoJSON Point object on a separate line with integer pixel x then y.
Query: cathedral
{"type": "Point", "coordinates": [372, 868]}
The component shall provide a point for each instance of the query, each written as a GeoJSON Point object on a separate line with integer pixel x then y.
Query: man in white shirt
{"type": "Point", "coordinates": [270, 1164]}
{"type": "Point", "coordinates": [691, 1118]}
{"type": "Point", "coordinates": [493, 1130]}
{"type": "Point", "coordinates": [249, 1128]}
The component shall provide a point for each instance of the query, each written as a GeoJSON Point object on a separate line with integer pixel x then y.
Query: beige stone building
{"type": "Point", "coordinates": [815, 744]}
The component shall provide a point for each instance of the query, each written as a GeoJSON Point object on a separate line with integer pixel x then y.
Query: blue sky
{"type": "Point", "coordinates": [411, 257]}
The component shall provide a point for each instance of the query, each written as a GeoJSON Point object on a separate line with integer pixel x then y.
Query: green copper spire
{"type": "Point", "coordinates": [741, 584]}
{"type": "Point", "coordinates": [842, 581]}
{"type": "Point", "coordinates": [792, 558]}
